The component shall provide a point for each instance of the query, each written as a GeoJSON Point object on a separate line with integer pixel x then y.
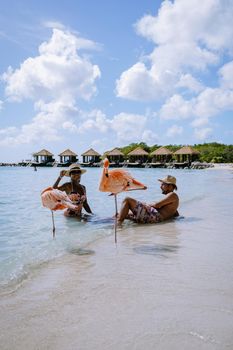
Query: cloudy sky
{"type": "Point", "coordinates": [106, 73]}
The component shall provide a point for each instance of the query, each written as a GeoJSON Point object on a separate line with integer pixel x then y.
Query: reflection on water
{"type": "Point", "coordinates": [81, 251]}
{"type": "Point", "coordinates": [97, 220]}
{"type": "Point", "coordinates": [26, 238]}
{"type": "Point", "coordinates": [162, 250]}
{"type": "Point", "coordinates": [191, 219]}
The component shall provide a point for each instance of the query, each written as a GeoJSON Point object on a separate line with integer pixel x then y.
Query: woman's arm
{"type": "Point", "coordinates": [62, 173]}
{"type": "Point", "coordinates": [87, 207]}
{"type": "Point", "coordinates": [85, 203]}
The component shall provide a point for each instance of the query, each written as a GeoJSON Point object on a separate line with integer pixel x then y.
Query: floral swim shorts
{"type": "Point", "coordinates": [145, 214]}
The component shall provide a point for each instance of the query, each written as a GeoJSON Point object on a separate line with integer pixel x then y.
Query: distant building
{"type": "Point", "coordinates": [115, 156]}
{"type": "Point", "coordinates": [186, 154]}
{"type": "Point", "coordinates": [91, 156]}
{"type": "Point", "coordinates": [161, 155]}
{"type": "Point", "coordinates": [43, 157]}
{"type": "Point", "coordinates": [68, 157]}
{"type": "Point", "coordinates": [138, 155]}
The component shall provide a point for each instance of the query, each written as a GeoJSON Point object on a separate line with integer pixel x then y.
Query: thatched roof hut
{"type": "Point", "coordinates": [115, 155]}
{"type": "Point", "coordinates": [161, 155]}
{"type": "Point", "coordinates": [161, 151]}
{"type": "Point", "coordinates": [115, 152]}
{"type": "Point", "coordinates": [43, 152]}
{"type": "Point", "coordinates": [43, 156]}
{"type": "Point", "coordinates": [67, 152]}
{"type": "Point", "coordinates": [139, 151]}
{"type": "Point", "coordinates": [186, 154]}
{"type": "Point", "coordinates": [68, 157]}
{"type": "Point", "coordinates": [138, 155]}
{"type": "Point", "coordinates": [91, 156]}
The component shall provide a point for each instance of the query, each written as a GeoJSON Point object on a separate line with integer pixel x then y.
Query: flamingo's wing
{"type": "Point", "coordinates": [56, 200]}
{"type": "Point", "coordinates": [113, 182]}
{"type": "Point", "coordinates": [59, 206]}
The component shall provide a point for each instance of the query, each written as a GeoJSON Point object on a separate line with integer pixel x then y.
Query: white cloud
{"type": "Point", "coordinates": [199, 122]}
{"type": "Point", "coordinates": [139, 83]}
{"type": "Point", "coordinates": [123, 127]}
{"type": "Point", "coordinates": [191, 39]}
{"type": "Point", "coordinates": [11, 130]}
{"type": "Point", "coordinates": [94, 120]}
{"type": "Point", "coordinates": [149, 137]}
{"type": "Point", "coordinates": [189, 82]}
{"type": "Point", "coordinates": [188, 38]}
{"type": "Point", "coordinates": [54, 24]}
{"type": "Point", "coordinates": [58, 70]}
{"type": "Point", "coordinates": [176, 108]}
{"type": "Point", "coordinates": [211, 101]}
{"type": "Point", "coordinates": [226, 75]}
{"type": "Point", "coordinates": [55, 80]}
{"type": "Point", "coordinates": [45, 126]}
{"type": "Point", "coordinates": [65, 43]}
{"type": "Point", "coordinates": [70, 126]}
{"type": "Point", "coordinates": [174, 130]}
{"type": "Point", "coordinates": [128, 127]}
{"type": "Point", "coordinates": [203, 134]}
{"type": "Point", "coordinates": [208, 23]}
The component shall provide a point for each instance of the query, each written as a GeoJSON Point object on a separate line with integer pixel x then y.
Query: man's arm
{"type": "Point", "coordinates": [170, 198]}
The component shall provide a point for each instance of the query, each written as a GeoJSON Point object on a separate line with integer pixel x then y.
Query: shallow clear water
{"type": "Point", "coordinates": [26, 227]}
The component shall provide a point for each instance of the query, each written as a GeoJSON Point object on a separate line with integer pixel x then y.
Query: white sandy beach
{"type": "Point", "coordinates": [162, 287]}
{"type": "Point", "coordinates": [222, 166]}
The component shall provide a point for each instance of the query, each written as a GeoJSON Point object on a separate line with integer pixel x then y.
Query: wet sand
{"type": "Point", "coordinates": [164, 286]}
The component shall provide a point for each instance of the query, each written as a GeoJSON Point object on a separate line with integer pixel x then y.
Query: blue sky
{"type": "Point", "coordinates": [78, 74]}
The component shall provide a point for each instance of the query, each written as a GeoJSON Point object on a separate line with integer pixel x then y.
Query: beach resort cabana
{"type": "Point", "coordinates": [161, 155]}
{"type": "Point", "coordinates": [186, 154]}
{"type": "Point", "coordinates": [43, 157]}
{"type": "Point", "coordinates": [91, 156]}
{"type": "Point", "coordinates": [68, 157]}
{"type": "Point", "coordinates": [115, 156]}
{"type": "Point", "coordinates": [138, 155]}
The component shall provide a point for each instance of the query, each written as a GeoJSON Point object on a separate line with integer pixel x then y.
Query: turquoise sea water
{"type": "Point", "coordinates": [26, 227]}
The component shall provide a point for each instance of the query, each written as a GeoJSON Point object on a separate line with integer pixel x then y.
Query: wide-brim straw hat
{"type": "Point", "coordinates": [169, 180]}
{"type": "Point", "coordinates": [74, 167]}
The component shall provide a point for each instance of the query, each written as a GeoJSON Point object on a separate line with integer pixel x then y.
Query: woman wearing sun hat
{"type": "Point", "coordinates": [74, 189]}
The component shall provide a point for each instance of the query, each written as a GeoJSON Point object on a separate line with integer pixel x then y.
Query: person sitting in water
{"type": "Point", "coordinates": [75, 191]}
{"type": "Point", "coordinates": [155, 212]}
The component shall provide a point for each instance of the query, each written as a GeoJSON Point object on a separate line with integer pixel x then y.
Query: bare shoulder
{"type": "Point", "coordinates": [172, 195]}
{"type": "Point", "coordinates": [65, 187]}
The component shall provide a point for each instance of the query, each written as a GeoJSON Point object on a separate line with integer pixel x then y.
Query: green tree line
{"type": "Point", "coordinates": [213, 152]}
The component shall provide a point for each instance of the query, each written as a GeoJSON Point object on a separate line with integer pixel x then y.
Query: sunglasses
{"type": "Point", "coordinates": [75, 172]}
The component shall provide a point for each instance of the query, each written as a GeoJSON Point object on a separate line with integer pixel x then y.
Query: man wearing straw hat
{"type": "Point", "coordinates": [76, 191]}
{"type": "Point", "coordinates": [155, 212]}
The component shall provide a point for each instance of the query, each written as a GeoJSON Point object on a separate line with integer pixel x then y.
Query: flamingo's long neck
{"type": "Point", "coordinates": [106, 164]}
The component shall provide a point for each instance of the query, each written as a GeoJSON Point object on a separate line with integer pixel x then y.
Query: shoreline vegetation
{"type": "Point", "coordinates": [199, 156]}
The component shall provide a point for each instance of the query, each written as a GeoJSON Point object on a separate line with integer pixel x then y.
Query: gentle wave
{"type": "Point", "coordinates": [26, 227]}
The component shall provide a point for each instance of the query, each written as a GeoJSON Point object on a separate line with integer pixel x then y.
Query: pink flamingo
{"type": "Point", "coordinates": [116, 181]}
{"type": "Point", "coordinates": [54, 199]}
